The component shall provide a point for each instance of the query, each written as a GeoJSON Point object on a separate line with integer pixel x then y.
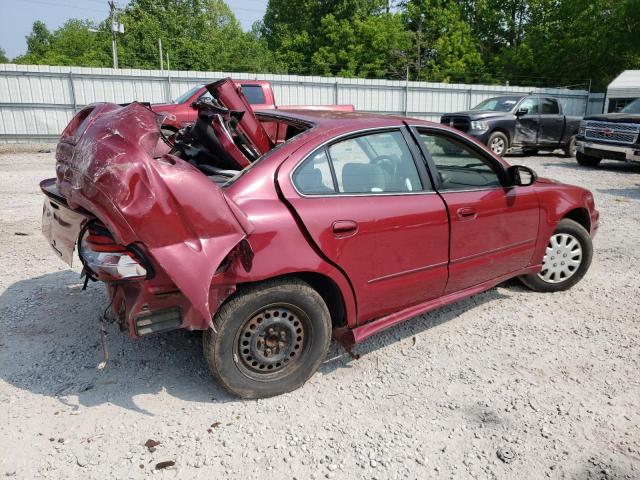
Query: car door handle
{"type": "Point", "coordinates": [467, 213]}
{"type": "Point", "coordinates": [343, 228]}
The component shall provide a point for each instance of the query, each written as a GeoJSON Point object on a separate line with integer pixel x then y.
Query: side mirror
{"type": "Point", "coordinates": [521, 176]}
{"type": "Point", "coordinates": [522, 112]}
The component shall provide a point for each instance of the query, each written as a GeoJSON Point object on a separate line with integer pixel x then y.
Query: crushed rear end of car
{"type": "Point", "coordinates": [150, 223]}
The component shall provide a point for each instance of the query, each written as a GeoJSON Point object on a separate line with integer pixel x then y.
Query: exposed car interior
{"type": "Point", "coordinates": [217, 143]}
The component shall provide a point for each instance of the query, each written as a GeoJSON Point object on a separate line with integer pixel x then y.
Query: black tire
{"type": "Point", "coordinates": [570, 148]}
{"type": "Point", "coordinates": [497, 139]}
{"type": "Point", "coordinates": [530, 151]}
{"type": "Point", "coordinates": [268, 339]}
{"type": "Point", "coordinates": [586, 160]}
{"type": "Point", "coordinates": [566, 226]}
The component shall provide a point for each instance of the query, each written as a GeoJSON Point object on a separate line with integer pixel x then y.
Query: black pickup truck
{"type": "Point", "coordinates": [531, 122]}
{"type": "Point", "coordinates": [614, 136]}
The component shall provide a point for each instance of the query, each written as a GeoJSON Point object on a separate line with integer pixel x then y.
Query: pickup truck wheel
{"type": "Point", "coordinates": [586, 160]}
{"type": "Point", "coordinates": [566, 260]}
{"type": "Point", "coordinates": [269, 339]}
{"type": "Point", "coordinates": [498, 143]}
{"type": "Point", "coordinates": [570, 148]}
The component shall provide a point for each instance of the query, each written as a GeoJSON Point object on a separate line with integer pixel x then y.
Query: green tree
{"type": "Point", "coordinates": [71, 44]}
{"type": "Point", "coordinates": [371, 46]}
{"type": "Point", "coordinates": [197, 34]}
{"type": "Point", "coordinates": [305, 35]}
{"type": "Point", "coordinates": [39, 40]}
{"type": "Point", "coordinates": [444, 47]}
{"type": "Point", "coordinates": [3, 56]}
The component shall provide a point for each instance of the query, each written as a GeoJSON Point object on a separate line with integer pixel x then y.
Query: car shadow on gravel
{"type": "Point", "coordinates": [605, 166]}
{"type": "Point", "coordinates": [50, 345]}
{"type": "Point", "coordinates": [633, 192]}
{"type": "Point", "coordinates": [337, 358]}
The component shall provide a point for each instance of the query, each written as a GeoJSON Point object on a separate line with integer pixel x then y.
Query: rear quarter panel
{"type": "Point", "coordinates": [278, 242]}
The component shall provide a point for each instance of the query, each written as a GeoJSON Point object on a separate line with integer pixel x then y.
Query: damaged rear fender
{"type": "Point", "coordinates": [187, 223]}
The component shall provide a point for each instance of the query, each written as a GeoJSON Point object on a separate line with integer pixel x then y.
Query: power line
{"type": "Point", "coordinates": [53, 4]}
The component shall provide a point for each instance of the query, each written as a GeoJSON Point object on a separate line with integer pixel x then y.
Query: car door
{"type": "Point", "coordinates": [551, 122]}
{"type": "Point", "coordinates": [527, 124]}
{"type": "Point", "coordinates": [370, 208]}
{"type": "Point", "coordinates": [493, 228]}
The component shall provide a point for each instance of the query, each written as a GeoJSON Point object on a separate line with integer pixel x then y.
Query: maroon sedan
{"type": "Point", "coordinates": [347, 225]}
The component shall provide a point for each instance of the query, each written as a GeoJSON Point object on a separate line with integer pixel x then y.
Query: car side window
{"type": "Point", "coordinates": [375, 163]}
{"type": "Point", "coordinates": [254, 94]}
{"type": "Point", "coordinates": [459, 166]}
{"type": "Point", "coordinates": [531, 104]}
{"type": "Point", "coordinates": [549, 106]}
{"type": "Point", "coordinates": [313, 177]}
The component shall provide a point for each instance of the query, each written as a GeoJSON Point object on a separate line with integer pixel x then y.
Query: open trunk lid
{"type": "Point", "coordinates": [110, 165]}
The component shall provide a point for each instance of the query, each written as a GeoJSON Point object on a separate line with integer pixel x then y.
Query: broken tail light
{"type": "Point", "coordinates": [106, 260]}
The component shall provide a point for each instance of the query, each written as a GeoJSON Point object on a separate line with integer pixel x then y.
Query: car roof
{"type": "Point", "coordinates": [332, 119]}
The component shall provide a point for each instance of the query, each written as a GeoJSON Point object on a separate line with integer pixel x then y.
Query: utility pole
{"type": "Point", "coordinates": [116, 28]}
{"type": "Point", "coordinates": [160, 50]}
{"type": "Point", "coordinates": [406, 94]}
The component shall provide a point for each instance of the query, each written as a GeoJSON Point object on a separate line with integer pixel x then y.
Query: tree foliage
{"type": "Point", "coordinates": [71, 44]}
{"type": "Point", "coordinates": [3, 56]}
{"type": "Point", "coordinates": [528, 42]}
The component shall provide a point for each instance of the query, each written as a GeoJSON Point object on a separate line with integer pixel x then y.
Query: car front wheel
{"type": "Point", "coordinates": [570, 149]}
{"type": "Point", "coordinates": [498, 143]}
{"type": "Point", "coordinates": [268, 339]}
{"type": "Point", "coordinates": [566, 260]}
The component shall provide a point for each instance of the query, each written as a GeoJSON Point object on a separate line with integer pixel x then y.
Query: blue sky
{"type": "Point", "coordinates": [17, 16]}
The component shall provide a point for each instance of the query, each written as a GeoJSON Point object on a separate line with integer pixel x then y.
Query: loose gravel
{"type": "Point", "coordinates": [508, 384]}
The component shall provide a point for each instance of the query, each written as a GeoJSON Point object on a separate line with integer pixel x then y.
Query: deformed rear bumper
{"type": "Point", "coordinates": [612, 152]}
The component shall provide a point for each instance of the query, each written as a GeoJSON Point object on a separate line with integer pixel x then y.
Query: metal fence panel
{"type": "Point", "coordinates": [37, 101]}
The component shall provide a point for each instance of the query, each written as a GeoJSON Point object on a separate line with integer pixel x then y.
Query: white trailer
{"type": "Point", "coordinates": [624, 89]}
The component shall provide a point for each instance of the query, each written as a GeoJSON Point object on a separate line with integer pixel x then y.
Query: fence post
{"type": "Point", "coordinates": [72, 91]}
{"type": "Point", "coordinates": [335, 92]}
{"type": "Point", "coordinates": [168, 89]}
{"type": "Point", "coordinates": [469, 94]}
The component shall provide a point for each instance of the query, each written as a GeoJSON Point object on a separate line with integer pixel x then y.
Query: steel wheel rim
{"type": "Point", "coordinates": [272, 341]}
{"type": "Point", "coordinates": [497, 145]}
{"type": "Point", "coordinates": [562, 258]}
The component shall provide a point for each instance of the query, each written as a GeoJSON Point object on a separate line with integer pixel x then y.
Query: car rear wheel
{"type": "Point", "coordinates": [586, 160]}
{"type": "Point", "coordinates": [570, 149]}
{"type": "Point", "coordinates": [498, 143]}
{"type": "Point", "coordinates": [268, 339]}
{"type": "Point", "coordinates": [566, 260]}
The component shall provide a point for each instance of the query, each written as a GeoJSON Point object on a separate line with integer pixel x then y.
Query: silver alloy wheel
{"type": "Point", "coordinates": [497, 145]}
{"type": "Point", "coordinates": [562, 258]}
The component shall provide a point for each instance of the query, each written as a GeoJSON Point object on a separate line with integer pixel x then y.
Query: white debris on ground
{"type": "Point", "coordinates": [508, 384]}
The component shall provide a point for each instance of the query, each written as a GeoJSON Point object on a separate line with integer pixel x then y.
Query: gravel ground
{"type": "Point", "coordinates": [508, 384]}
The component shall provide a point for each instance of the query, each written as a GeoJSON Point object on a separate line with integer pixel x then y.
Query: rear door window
{"type": "Point", "coordinates": [374, 163]}
{"type": "Point", "coordinates": [314, 176]}
{"type": "Point", "coordinates": [549, 106]}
